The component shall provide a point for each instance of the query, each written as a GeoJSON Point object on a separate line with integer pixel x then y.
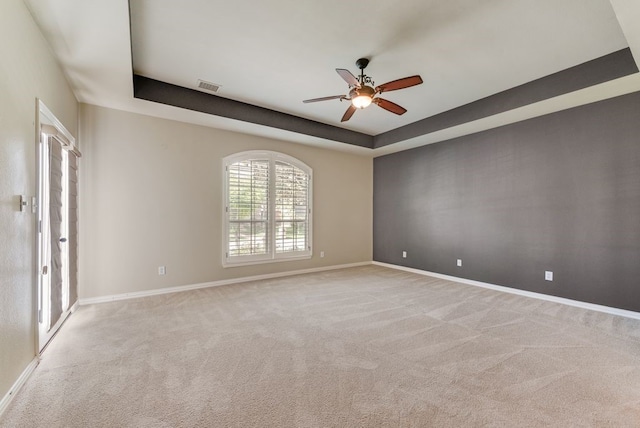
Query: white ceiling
{"type": "Point", "coordinates": [276, 53]}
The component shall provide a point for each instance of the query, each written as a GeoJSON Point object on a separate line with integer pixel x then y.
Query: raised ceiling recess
{"type": "Point", "coordinates": [271, 55]}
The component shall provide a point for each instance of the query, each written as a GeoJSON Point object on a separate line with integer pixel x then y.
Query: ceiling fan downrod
{"type": "Point", "coordinates": [362, 64]}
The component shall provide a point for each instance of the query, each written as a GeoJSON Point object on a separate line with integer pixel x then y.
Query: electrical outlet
{"type": "Point", "coordinates": [459, 262]}
{"type": "Point", "coordinates": [404, 254]}
{"type": "Point", "coordinates": [321, 254]}
{"type": "Point", "coordinates": [548, 275]}
{"type": "Point", "coordinates": [162, 270]}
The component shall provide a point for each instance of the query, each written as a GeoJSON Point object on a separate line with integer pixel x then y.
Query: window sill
{"type": "Point", "coordinates": [227, 264]}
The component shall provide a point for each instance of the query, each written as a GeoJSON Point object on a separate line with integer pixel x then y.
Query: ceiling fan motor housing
{"type": "Point", "coordinates": [364, 90]}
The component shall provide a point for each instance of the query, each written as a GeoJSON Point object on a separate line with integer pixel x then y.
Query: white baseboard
{"type": "Point", "coordinates": [157, 291]}
{"type": "Point", "coordinates": [555, 299]}
{"type": "Point", "coordinates": [4, 403]}
{"type": "Point", "coordinates": [540, 296]}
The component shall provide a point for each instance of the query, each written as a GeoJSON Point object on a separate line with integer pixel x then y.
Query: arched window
{"type": "Point", "coordinates": [267, 208]}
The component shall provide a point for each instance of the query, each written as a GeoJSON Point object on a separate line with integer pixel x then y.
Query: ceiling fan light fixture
{"type": "Point", "coordinates": [361, 101]}
{"type": "Point", "coordinates": [362, 97]}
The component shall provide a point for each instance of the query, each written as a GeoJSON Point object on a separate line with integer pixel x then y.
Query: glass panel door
{"type": "Point", "coordinates": [53, 257]}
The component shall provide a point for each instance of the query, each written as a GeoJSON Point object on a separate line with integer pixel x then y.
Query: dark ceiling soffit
{"type": "Point", "coordinates": [178, 96]}
{"type": "Point", "coordinates": [615, 65]}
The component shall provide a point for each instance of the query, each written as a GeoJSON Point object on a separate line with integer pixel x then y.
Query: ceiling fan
{"type": "Point", "coordinates": [362, 92]}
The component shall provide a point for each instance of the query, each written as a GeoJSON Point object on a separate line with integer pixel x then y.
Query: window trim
{"type": "Point", "coordinates": [272, 256]}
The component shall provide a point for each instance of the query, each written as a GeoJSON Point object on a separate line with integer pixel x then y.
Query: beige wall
{"type": "Point", "coordinates": [151, 195]}
{"type": "Point", "coordinates": [27, 71]}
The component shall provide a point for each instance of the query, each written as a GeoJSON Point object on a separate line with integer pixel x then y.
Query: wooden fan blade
{"type": "Point", "coordinates": [348, 77]}
{"type": "Point", "coordinates": [347, 114]}
{"type": "Point", "coordinates": [394, 85]}
{"type": "Point", "coordinates": [389, 106]}
{"type": "Point", "coordinates": [315, 100]}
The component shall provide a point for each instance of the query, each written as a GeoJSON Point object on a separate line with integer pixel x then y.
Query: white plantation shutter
{"type": "Point", "coordinates": [292, 208]}
{"type": "Point", "coordinates": [248, 208]}
{"type": "Point", "coordinates": [267, 208]}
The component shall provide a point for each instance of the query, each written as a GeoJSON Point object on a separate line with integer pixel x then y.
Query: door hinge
{"type": "Point", "coordinates": [40, 316]}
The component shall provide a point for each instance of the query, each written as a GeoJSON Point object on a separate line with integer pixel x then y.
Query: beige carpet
{"type": "Point", "coordinates": [362, 347]}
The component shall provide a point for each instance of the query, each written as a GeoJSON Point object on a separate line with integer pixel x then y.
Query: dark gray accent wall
{"type": "Point", "coordinates": [559, 192]}
{"type": "Point", "coordinates": [615, 65]}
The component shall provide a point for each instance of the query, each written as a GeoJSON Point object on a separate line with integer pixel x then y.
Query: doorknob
{"type": "Point", "coordinates": [63, 239]}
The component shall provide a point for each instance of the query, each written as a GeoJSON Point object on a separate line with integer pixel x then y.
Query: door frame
{"type": "Point", "coordinates": [45, 117]}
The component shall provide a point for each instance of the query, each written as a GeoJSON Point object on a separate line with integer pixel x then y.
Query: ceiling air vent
{"type": "Point", "coordinates": [208, 86]}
